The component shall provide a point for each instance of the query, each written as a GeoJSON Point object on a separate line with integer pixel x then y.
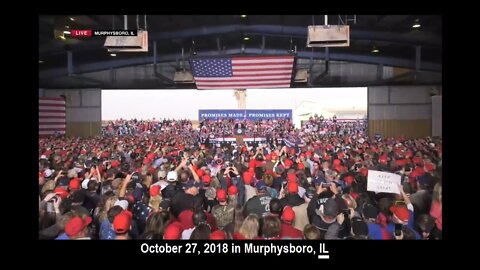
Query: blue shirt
{"type": "Point", "coordinates": [106, 231]}
{"type": "Point", "coordinates": [62, 236]}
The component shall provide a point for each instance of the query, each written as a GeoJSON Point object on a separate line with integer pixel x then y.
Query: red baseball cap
{"type": "Point", "coordinates": [288, 214]}
{"type": "Point", "coordinates": [400, 162]}
{"type": "Point", "coordinates": [62, 192]}
{"type": "Point", "coordinates": [418, 171]}
{"type": "Point", "coordinates": [274, 156]}
{"type": "Point", "coordinates": [301, 166]}
{"type": "Point", "coordinates": [115, 163]}
{"type": "Point", "coordinates": [122, 222]}
{"type": "Point", "coordinates": [151, 156]}
{"type": "Point", "coordinates": [428, 167]}
{"type": "Point", "coordinates": [74, 184]}
{"type": "Point", "coordinates": [288, 163]}
{"type": "Point", "coordinates": [336, 162]}
{"type": "Point", "coordinates": [292, 187]}
{"type": "Point", "coordinates": [349, 180]}
{"type": "Point", "coordinates": [417, 160]}
{"type": "Point", "coordinates": [232, 190]}
{"type": "Point", "coordinates": [154, 190]}
{"type": "Point", "coordinates": [185, 218]}
{"type": "Point", "coordinates": [76, 224]}
{"type": "Point", "coordinates": [247, 178]}
{"type": "Point", "coordinates": [217, 235]}
{"type": "Point", "coordinates": [401, 212]}
{"type": "Point", "coordinates": [173, 231]}
{"type": "Point", "coordinates": [206, 179]}
{"type": "Point", "coordinates": [221, 195]}
{"type": "Point", "coordinates": [200, 172]}
{"type": "Point", "coordinates": [364, 171]}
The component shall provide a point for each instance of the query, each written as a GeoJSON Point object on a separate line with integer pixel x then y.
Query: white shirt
{"type": "Point", "coordinates": [187, 233]}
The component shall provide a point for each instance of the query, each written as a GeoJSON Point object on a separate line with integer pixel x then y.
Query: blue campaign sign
{"type": "Point", "coordinates": [244, 114]}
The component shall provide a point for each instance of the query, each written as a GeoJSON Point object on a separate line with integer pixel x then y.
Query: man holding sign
{"type": "Point", "coordinates": [402, 214]}
{"type": "Point", "coordinates": [383, 182]}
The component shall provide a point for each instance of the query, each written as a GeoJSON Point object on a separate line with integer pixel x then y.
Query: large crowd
{"type": "Point", "coordinates": [162, 179]}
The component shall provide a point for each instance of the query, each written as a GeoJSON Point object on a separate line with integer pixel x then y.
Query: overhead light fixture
{"type": "Point", "coordinates": [67, 32]}
{"type": "Point", "coordinates": [416, 24]}
{"type": "Point", "coordinates": [113, 54]}
{"type": "Point", "coordinates": [40, 61]}
{"type": "Point", "coordinates": [375, 51]}
{"type": "Point", "coordinates": [72, 19]}
{"type": "Point", "coordinates": [62, 37]}
{"type": "Point", "coordinates": [246, 38]}
{"type": "Point", "coordinates": [66, 26]}
{"type": "Point", "coordinates": [243, 16]}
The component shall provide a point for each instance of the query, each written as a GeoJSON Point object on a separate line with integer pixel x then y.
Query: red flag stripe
{"type": "Point", "coordinates": [52, 116]}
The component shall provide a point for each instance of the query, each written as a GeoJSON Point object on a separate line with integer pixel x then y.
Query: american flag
{"type": "Point", "coordinates": [243, 72]}
{"type": "Point", "coordinates": [51, 116]}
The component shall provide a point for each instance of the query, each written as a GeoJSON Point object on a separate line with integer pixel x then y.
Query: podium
{"type": "Point", "coordinates": [239, 131]}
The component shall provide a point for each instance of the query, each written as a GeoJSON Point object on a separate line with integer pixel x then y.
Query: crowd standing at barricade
{"type": "Point", "coordinates": [164, 180]}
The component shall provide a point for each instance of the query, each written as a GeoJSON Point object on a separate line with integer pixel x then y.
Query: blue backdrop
{"type": "Point", "coordinates": [244, 114]}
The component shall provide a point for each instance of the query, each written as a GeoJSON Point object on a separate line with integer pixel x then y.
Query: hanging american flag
{"type": "Point", "coordinates": [51, 116]}
{"type": "Point", "coordinates": [243, 72]}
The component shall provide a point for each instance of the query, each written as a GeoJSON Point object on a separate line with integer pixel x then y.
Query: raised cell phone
{"type": "Point", "coordinates": [398, 229]}
{"type": "Point", "coordinates": [50, 207]}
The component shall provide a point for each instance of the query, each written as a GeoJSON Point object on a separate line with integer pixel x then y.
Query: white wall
{"type": "Point", "coordinates": [399, 102]}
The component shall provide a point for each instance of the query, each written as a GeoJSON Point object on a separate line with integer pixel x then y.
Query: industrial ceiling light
{"type": "Point", "coordinates": [72, 19]}
{"type": "Point", "coordinates": [416, 24]}
{"type": "Point", "coordinates": [40, 61]}
{"type": "Point", "coordinates": [67, 32]}
{"type": "Point", "coordinates": [243, 16]}
{"type": "Point", "coordinates": [62, 37]}
{"type": "Point", "coordinates": [246, 38]}
{"type": "Point", "coordinates": [67, 27]}
{"type": "Point", "coordinates": [113, 54]}
{"type": "Point", "coordinates": [375, 50]}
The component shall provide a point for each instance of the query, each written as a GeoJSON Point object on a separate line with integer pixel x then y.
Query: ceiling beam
{"type": "Point", "coordinates": [272, 30]}
{"type": "Point", "coordinates": [118, 63]}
